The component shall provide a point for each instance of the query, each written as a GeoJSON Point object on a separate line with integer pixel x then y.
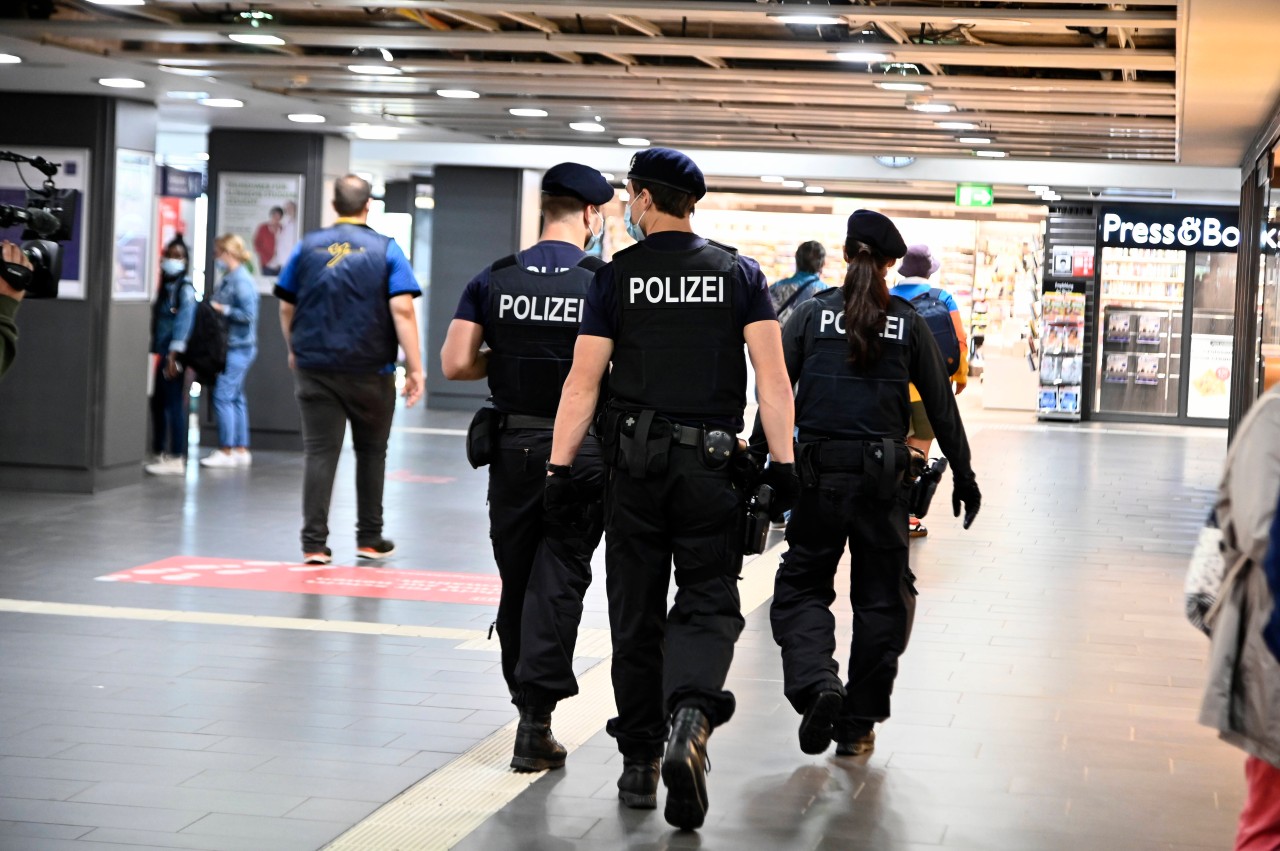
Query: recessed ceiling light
{"type": "Point", "coordinates": [186, 72]}
{"type": "Point", "coordinates": [814, 190]}
{"type": "Point", "coordinates": [957, 125]}
{"type": "Point", "coordinates": [995, 155]}
{"type": "Point", "coordinates": [256, 38]}
{"type": "Point", "coordinates": [222, 103]}
{"type": "Point", "coordinates": [527, 112]}
{"type": "Point", "coordinates": [118, 2]}
{"type": "Point", "coordinates": [931, 107]}
{"type": "Point", "coordinates": [459, 94]}
{"type": "Point", "coordinates": [306, 118]}
{"type": "Point", "coordinates": [772, 178]}
{"type": "Point", "coordinates": [586, 127]}
{"type": "Point", "coordinates": [608, 175]}
{"type": "Point", "coordinates": [811, 20]}
{"type": "Point", "coordinates": [424, 202]}
{"type": "Point", "coordinates": [633, 142]}
{"type": "Point", "coordinates": [862, 56]}
{"type": "Point", "coordinates": [371, 69]}
{"type": "Point", "coordinates": [1037, 188]}
{"type": "Point", "coordinates": [187, 95]}
{"type": "Point", "coordinates": [121, 83]}
{"type": "Point", "coordinates": [904, 87]}
{"type": "Point", "coordinates": [9, 59]}
{"type": "Point", "coordinates": [974, 140]}
{"type": "Point", "coordinates": [379, 133]}
{"type": "Point", "coordinates": [792, 184]}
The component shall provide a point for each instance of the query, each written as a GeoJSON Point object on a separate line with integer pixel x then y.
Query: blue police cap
{"type": "Point", "coordinates": [876, 230]}
{"type": "Point", "coordinates": [666, 167]}
{"type": "Point", "coordinates": [578, 181]}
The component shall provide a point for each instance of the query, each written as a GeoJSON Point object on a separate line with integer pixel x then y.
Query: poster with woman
{"type": "Point", "coordinates": [263, 210]}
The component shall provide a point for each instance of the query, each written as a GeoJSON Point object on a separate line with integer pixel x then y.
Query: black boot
{"type": "Point", "coordinates": [536, 749]}
{"type": "Point", "coordinates": [819, 718]}
{"type": "Point", "coordinates": [638, 785]}
{"type": "Point", "coordinates": [684, 769]}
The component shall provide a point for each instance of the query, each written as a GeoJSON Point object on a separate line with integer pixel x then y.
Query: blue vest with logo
{"type": "Point", "coordinates": [342, 318]}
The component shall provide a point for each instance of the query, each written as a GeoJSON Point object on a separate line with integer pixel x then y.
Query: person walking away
{"type": "Point", "coordinates": [346, 302]}
{"type": "Point", "coordinates": [942, 315]}
{"type": "Point", "coordinates": [852, 352]}
{"type": "Point", "coordinates": [787, 294]}
{"type": "Point", "coordinates": [237, 300]}
{"type": "Point", "coordinates": [525, 308]}
{"type": "Point", "coordinates": [1242, 694]}
{"type": "Point", "coordinates": [172, 316]}
{"type": "Point", "coordinates": [672, 313]}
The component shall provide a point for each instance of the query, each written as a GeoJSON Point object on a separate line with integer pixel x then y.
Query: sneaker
{"type": "Point", "coordinates": [382, 549]}
{"type": "Point", "coordinates": [857, 745]}
{"type": "Point", "coordinates": [167, 465]}
{"type": "Point", "coordinates": [220, 459]}
{"type": "Point", "coordinates": [321, 556]}
{"type": "Point", "coordinates": [915, 528]}
{"type": "Point", "coordinates": [243, 459]}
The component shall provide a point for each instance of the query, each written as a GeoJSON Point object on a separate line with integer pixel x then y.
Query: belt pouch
{"type": "Point", "coordinates": [717, 447]}
{"type": "Point", "coordinates": [481, 435]}
{"type": "Point", "coordinates": [642, 449]}
{"type": "Point", "coordinates": [806, 464]}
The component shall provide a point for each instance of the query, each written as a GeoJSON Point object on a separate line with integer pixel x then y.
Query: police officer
{"type": "Point", "coordinates": [672, 313]}
{"type": "Point", "coordinates": [526, 308]}
{"type": "Point", "coordinates": [853, 351]}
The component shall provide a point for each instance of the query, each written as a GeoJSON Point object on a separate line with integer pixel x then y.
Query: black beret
{"type": "Point", "coordinates": [666, 167]}
{"type": "Point", "coordinates": [876, 230]}
{"type": "Point", "coordinates": [578, 181]}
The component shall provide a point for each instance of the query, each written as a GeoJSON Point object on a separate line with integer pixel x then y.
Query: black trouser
{"type": "Point", "coordinates": [328, 401]}
{"type": "Point", "coordinates": [845, 507]}
{"type": "Point", "coordinates": [545, 568]}
{"type": "Point", "coordinates": [170, 411]}
{"type": "Point", "coordinates": [662, 660]}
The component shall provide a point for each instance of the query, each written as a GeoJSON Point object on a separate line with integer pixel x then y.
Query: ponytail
{"type": "Point", "coordinates": [866, 299]}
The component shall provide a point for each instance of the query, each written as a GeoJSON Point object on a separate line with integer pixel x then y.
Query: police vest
{"type": "Point", "coordinates": [835, 400]}
{"type": "Point", "coordinates": [679, 344]}
{"type": "Point", "coordinates": [531, 327]}
{"type": "Point", "coordinates": [342, 317]}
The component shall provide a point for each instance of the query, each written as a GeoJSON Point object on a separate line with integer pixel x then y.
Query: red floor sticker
{"type": "Point", "coordinates": [386, 583]}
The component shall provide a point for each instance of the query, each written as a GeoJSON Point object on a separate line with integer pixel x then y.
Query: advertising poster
{"type": "Point", "coordinates": [1149, 327]}
{"type": "Point", "coordinates": [1148, 370]}
{"type": "Point", "coordinates": [1118, 327]}
{"type": "Point", "coordinates": [1209, 395]}
{"type": "Point", "coordinates": [264, 211]}
{"type": "Point", "coordinates": [74, 174]}
{"type": "Point", "coordinates": [1117, 369]}
{"type": "Point", "coordinates": [131, 256]}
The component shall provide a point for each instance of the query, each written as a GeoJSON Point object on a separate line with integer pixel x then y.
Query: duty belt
{"type": "Point", "coordinates": [686, 435]}
{"type": "Point", "coordinates": [526, 421]}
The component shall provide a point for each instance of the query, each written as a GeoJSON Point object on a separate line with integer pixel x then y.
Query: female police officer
{"type": "Point", "coordinates": [852, 352]}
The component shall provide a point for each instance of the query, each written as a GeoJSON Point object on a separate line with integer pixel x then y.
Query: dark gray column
{"type": "Point", "coordinates": [477, 219]}
{"type": "Point", "coordinates": [274, 422]}
{"type": "Point", "coordinates": [73, 410]}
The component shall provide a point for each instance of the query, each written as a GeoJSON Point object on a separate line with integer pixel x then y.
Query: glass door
{"type": "Point", "coordinates": [1213, 292]}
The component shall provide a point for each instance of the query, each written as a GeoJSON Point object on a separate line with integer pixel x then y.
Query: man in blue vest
{"type": "Point", "coordinates": [346, 303]}
{"type": "Point", "coordinates": [526, 308]}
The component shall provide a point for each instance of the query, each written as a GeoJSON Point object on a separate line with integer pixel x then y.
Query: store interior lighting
{"type": "Point", "coordinates": [458, 94]}
{"type": "Point", "coordinates": [956, 125]}
{"type": "Point", "coordinates": [633, 142]}
{"type": "Point", "coordinates": [586, 126]}
{"type": "Point", "coordinates": [9, 59]}
{"type": "Point", "coordinates": [974, 140]}
{"type": "Point", "coordinates": [867, 56]}
{"type": "Point", "coordinates": [994, 155]}
{"type": "Point", "coordinates": [258, 39]}
{"type": "Point", "coordinates": [306, 118]}
{"type": "Point", "coordinates": [121, 83]}
{"type": "Point", "coordinates": [792, 184]}
{"type": "Point", "coordinates": [371, 132]}
{"type": "Point", "coordinates": [222, 103]}
{"type": "Point", "coordinates": [814, 190]}
{"type": "Point", "coordinates": [527, 112]}
{"type": "Point", "coordinates": [929, 106]}
{"type": "Point", "coordinates": [772, 178]}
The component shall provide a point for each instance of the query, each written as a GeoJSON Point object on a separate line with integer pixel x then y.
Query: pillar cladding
{"type": "Point", "coordinates": [73, 410]}
{"type": "Point", "coordinates": [237, 155]}
{"type": "Point", "coordinates": [481, 215]}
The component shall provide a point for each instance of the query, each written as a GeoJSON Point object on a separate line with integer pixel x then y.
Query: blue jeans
{"type": "Point", "coordinates": [229, 404]}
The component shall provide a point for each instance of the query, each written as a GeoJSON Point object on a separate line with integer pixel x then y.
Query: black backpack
{"type": "Point", "coordinates": [935, 313]}
{"type": "Point", "coordinates": [206, 352]}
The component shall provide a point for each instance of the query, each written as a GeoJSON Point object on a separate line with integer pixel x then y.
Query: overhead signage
{"type": "Point", "coordinates": [176, 183]}
{"type": "Point", "coordinates": [1170, 226]}
{"type": "Point", "coordinates": [974, 195]}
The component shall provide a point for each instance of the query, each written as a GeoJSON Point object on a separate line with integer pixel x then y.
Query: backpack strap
{"type": "Point", "coordinates": [795, 295]}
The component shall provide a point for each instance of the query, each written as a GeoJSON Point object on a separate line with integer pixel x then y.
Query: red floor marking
{"type": "Point", "coordinates": [383, 582]}
{"type": "Point", "coordinates": [418, 479]}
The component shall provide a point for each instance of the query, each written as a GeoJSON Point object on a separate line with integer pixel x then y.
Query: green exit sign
{"type": "Point", "coordinates": [974, 195]}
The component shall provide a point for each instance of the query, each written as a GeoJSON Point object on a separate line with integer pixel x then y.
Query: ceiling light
{"type": "Point", "coordinates": [995, 155]}
{"type": "Point", "coordinates": [222, 103]}
{"type": "Point", "coordinates": [203, 157]}
{"type": "Point", "coordinates": [306, 118]}
{"type": "Point", "coordinates": [978, 22]}
{"type": "Point", "coordinates": [792, 184]}
{"type": "Point", "coordinates": [187, 95]}
{"type": "Point", "coordinates": [974, 140]}
{"type": "Point", "coordinates": [118, 2]}
{"type": "Point", "coordinates": [862, 56]}
{"type": "Point", "coordinates": [256, 38]}
{"type": "Point", "coordinates": [586, 126]}
{"type": "Point", "coordinates": [609, 176]}
{"type": "Point", "coordinates": [379, 133]}
{"type": "Point", "coordinates": [527, 112]}
{"type": "Point", "coordinates": [9, 59]}
{"type": "Point", "coordinates": [633, 142]}
{"type": "Point", "coordinates": [814, 190]}
{"type": "Point", "coordinates": [808, 20]}
{"type": "Point", "coordinates": [931, 107]}
{"type": "Point", "coordinates": [957, 125]}
{"type": "Point", "coordinates": [459, 94]}
{"type": "Point", "coordinates": [186, 72]}
{"type": "Point", "coordinates": [424, 202]}
{"type": "Point", "coordinates": [1037, 188]}
{"type": "Point", "coordinates": [904, 87]}
{"type": "Point", "coordinates": [772, 178]}
{"type": "Point", "coordinates": [384, 70]}
{"type": "Point", "coordinates": [121, 83]}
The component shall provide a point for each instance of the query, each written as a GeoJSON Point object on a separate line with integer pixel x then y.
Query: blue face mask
{"type": "Point", "coordinates": [633, 228]}
{"type": "Point", "coordinates": [220, 265]}
{"type": "Point", "coordinates": [172, 266]}
{"type": "Point", "coordinates": [594, 242]}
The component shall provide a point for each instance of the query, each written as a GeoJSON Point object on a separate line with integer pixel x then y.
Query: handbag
{"type": "Point", "coordinates": [1205, 574]}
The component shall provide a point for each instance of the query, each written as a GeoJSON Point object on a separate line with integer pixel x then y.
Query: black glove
{"type": "Point", "coordinates": [786, 487]}
{"type": "Point", "coordinates": [561, 501]}
{"type": "Point", "coordinates": [965, 491]}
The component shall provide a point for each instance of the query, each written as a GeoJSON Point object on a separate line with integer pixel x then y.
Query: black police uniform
{"type": "Point", "coordinates": [530, 326]}
{"type": "Point", "coordinates": [851, 458]}
{"type": "Point", "coordinates": [677, 389]}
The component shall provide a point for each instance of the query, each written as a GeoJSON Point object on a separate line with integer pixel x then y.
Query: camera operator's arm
{"type": "Point", "coordinates": [9, 298]}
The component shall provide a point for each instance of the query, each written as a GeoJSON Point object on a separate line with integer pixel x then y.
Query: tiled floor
{"type": "Point", "coordinates": [1047, 699]}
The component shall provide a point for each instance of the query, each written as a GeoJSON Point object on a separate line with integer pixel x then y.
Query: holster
{"type": "Point", "coordinates": [482, 434]}
{"type": "Point", "coordinates": [886, 458]}
{"type": "Point", "coordinates": [644, 443]}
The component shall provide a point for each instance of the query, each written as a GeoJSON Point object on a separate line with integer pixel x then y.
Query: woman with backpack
{"type": "Point", "coordinates": [236, 299]}
{"type": "Point", "coordinates": [939, 310]}
{"type": "Point", "coordinates": [851, 352]}
{"type": "Point", "coordinates": [172, 316]}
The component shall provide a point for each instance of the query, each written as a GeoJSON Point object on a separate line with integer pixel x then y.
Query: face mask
{"type": "Point", "coordinates": [633, 228]}
{"type": "Point", "coordinates": [594, 242]}
{"type": "Point", "coordinates": [220, 265]}
{"type": "Point", "coordinates": [172, 266]}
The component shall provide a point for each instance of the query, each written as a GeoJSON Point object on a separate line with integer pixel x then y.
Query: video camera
{"type": "Point", "coordinates": [47, 218]}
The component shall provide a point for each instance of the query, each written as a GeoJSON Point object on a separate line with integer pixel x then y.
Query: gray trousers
{"type": "Point", "coordinates": [328, 401]}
